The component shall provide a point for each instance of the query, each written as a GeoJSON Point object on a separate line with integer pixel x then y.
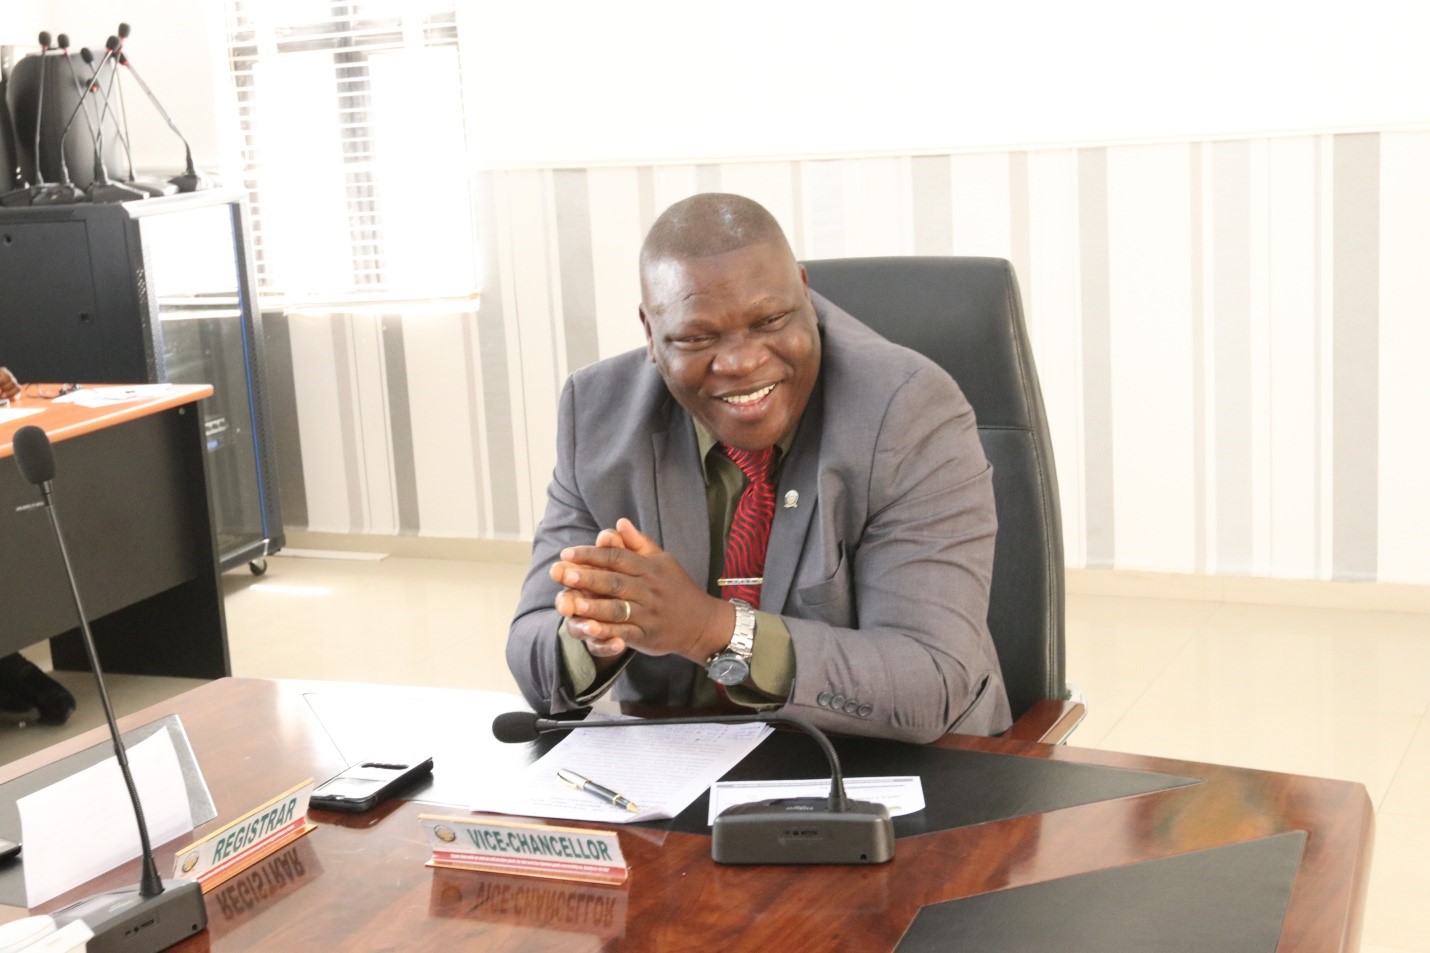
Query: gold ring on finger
{"type": "Point", "coordinates": [626, 617]}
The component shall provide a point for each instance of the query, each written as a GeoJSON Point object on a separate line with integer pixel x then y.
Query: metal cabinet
{"type": "Point", "coordinates": [151, 291]}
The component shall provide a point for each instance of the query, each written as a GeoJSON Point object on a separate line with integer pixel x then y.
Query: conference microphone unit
{"type": "Point", "coordinates": [102, 189]}
{"type": "Point", "coordinates": [191, 180]}
{"type": "Point", "coordinates": [159, 913]}
{"type": "Point", "coordinates": [148, 187]}
{"type": "Point", "coordinates": [41, 192]}
{"type": "Point", "coordinates": [788, 830]}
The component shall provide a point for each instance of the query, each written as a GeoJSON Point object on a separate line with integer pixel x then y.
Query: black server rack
{"type": "Point", "coordinates": [156, 290]}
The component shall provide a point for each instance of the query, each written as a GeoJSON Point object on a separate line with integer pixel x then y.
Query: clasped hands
{"type": "Point", "coordinates": [625, 592]}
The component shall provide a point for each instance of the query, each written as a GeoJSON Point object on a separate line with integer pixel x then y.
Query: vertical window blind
{"type": "Point", "coordinates": [354, 147]}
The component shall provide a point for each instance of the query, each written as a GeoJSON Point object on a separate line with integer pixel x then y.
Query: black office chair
{"type": "Point", "coordinates": [966, 315]}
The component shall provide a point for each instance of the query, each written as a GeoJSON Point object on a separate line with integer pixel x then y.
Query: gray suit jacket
{"type": "Point", "coordinates": [881, 572]}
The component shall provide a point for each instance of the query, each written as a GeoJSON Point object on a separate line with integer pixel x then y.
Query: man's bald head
{"type": "Point", "coordinates": [710, 223]}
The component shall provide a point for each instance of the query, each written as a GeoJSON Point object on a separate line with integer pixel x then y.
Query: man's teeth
{"type": "Point", "coordinates": [748, 398]}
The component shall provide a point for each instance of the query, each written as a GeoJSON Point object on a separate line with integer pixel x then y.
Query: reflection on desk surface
{"type": "Point", "coordinates": [591, 909]}
{"type": "Point", "coordinates": [261, 887]}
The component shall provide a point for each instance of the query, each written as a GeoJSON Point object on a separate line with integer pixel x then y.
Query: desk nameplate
{"type": "Point", "coordinates": [236, 846]}
{"type": "Point", "coordinates": [529, 850]}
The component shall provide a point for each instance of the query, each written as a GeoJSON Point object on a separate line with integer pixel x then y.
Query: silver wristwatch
{"type": "Point", "coordinates": [731, 665]}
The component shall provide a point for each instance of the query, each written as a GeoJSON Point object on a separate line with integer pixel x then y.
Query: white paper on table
{"type": "Point", "coordinates": [662, 768]}
{"type": "Point", "coordinates": [76, 829]}
{"type": "Point", "coordinates": [901, 795]}
{"type": "Point", "coordinates": [8, 414]}
{"type": "Point", "coordinates": [116, 394]}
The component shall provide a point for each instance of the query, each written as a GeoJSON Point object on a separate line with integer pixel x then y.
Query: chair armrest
{"type": "Point", "coordinates": [1049, 722]}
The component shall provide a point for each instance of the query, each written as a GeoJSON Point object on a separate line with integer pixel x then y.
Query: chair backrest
{"type": "Point", "coordinates": [965, 314]}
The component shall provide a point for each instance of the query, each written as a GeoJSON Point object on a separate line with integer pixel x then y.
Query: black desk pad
{"type": "Point", "coordinates": [1227, 899]}
{"type": "Point", "coordinates": [961, 787]}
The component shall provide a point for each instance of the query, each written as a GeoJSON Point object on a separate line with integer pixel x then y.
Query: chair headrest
{"type": "Point", "coordinates": [963, 313]}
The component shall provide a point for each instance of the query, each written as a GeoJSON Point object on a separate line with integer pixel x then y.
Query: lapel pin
{"type": "Point", "coordinates": [791, 499]}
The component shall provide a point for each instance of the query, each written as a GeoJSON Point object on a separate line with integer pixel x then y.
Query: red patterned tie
{"type": "Point", "coordinates": [750, 527]}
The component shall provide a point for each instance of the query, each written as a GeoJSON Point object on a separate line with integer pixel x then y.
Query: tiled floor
{"type": "Point", "coordinates": [1336, 693]}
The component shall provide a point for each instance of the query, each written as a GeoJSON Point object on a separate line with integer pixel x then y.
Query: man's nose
{"type": "Point", "coordinates": [741, 357]}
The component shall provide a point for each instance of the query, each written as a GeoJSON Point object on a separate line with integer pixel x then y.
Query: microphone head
{"type": "Point", "coordinates": [36, 458]}
{"type": "Point", "coordinates": [512, 727]}
{"type": "Point", "coordinates": [44, 39]}
{"type": "Point", "coordinates": [112, 43]}
{"type": "Point", "coordinates": [123, 60]}
{"type": "Point", "coordinates": [124, 31]}
{"type": "Point", "coordinates": [87, 56]}
{"type": "Point", "coordinates": [64, 41]}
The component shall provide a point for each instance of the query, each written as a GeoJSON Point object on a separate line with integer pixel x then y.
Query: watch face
{"type": "Point", "coordinates": [729, 670]}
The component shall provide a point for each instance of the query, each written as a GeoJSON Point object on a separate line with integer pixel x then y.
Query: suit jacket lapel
{"type": "Point", "coordinates": [800, 473]}
{"type": "Point", "coordinates": [684, 529]}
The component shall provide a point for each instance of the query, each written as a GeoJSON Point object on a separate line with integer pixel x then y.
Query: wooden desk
{"type": "Point", "coordinates": [358, 882]}
{"type": "Point", "coordinates": [131, 491]}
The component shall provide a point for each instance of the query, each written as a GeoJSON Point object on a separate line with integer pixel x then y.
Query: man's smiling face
{"type": "Point", "coordinates": [735, 337]}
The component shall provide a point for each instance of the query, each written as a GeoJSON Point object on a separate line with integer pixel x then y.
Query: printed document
{"type": "Point", "coordinates": [661, 768]}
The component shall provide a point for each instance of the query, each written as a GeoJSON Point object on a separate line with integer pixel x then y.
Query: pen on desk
{"type": "Point", "coordinates": [591, 787]}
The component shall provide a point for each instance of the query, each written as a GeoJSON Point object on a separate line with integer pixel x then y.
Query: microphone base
{"type": "Point", "coordinates": [803, 830]}
{"type": "Point", "coordinates": [58, 194]}
{"type": "Point", "coordinates": [102, 193]}
{"type": "Point", "coordinates": [22, 197]}
{"type": "Point", "coordinates": [125, 922]}
{"type": "Point", "coordinates": [152, 187]}
{"type": "Point", "coordinates": [191, 182]}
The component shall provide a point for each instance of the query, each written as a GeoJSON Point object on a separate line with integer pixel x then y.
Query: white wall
{"type": "Point", "coordinates": [642, 80]}
{"type": "Point", "coordinates": [1273, 278]}
{"type": "Point", "coordinates": [560, 81]}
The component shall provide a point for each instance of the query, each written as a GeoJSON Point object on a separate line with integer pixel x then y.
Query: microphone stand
{"type": "Point", "coordinates": [161, 913]}
{"type": "Point", "coordinates": [102, 189]}
{"type": "Point", "coordinates": [190, 180]}
{"type": "Point", "coordinates": [42, 192]}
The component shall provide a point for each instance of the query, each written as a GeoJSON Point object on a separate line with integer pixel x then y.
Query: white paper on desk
{"type": "Point", "coordinates": [8, 414]}
{"type": "Point", "coordinates": [901, 795]}
{"type": "Point", "coordinates": [76, 829]}
{"type": "Point", "coordinates": [662, 768]}
{"type": "Point", "coordinates": [117, 394]}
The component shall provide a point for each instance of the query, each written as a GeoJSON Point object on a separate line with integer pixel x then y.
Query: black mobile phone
{"type": "Point", "coordinates": [364, 786]}
{"type": "Point", "coordinates": [8, 849]}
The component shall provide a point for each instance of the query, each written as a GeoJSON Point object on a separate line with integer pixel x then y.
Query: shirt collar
{"type": "Point", "coordinates": [707, 442]}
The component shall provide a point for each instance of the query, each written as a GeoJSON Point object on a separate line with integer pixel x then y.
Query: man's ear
{"type": "Point", "coordinates": [649, 339]}
{"type": "Point", "coordinates": [804, 280]}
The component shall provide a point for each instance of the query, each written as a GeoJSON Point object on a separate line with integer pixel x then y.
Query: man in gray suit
{"type": "Point", "coordinates": [869, 518]}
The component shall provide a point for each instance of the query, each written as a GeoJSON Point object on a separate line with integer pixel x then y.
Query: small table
{"type": "Point", "coordinates": [130, 489]}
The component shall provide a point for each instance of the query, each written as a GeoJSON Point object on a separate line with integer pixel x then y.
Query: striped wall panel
{"type": "Point", "coordinates": [1231, 338]}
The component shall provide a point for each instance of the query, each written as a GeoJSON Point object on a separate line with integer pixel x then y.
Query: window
{"type": "Point", "coordinates": [354, 147]}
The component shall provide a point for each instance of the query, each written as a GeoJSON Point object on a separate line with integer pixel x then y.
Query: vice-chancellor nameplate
{"type": "Point", "coordinates": [244, 842]}
{"type": "Point", "coordinates": [532, 850]}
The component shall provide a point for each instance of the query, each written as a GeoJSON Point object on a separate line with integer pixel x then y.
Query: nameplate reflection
{"type": "Point", "coordinates": [592, 909]}
{"type": "Point", "coordinates": [261, 887]}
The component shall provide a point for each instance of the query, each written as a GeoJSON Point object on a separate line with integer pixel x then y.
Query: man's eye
{"type": "Point", "coordinates": [695, 341]}
{"type": "Point", "coordinates": [773, 322]}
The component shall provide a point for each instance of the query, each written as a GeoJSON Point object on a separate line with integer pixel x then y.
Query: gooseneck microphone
{"type": "Point", "coordinates": [792, 830]}
{"type": "Point", "coordinates": [191, 180]}
{"type": "Point", "coordinates": [146, 186]}
{"type": "Point", "coordinates": [64, 191]}
{"type": "Point", "coordinates": [40, 192]}
{"type": "Point", "coordinates": [40, 106]}
{"type": "Point", "coordinates": [160, 913]}
{"type": "Point", "coordinates": [102, 189]}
